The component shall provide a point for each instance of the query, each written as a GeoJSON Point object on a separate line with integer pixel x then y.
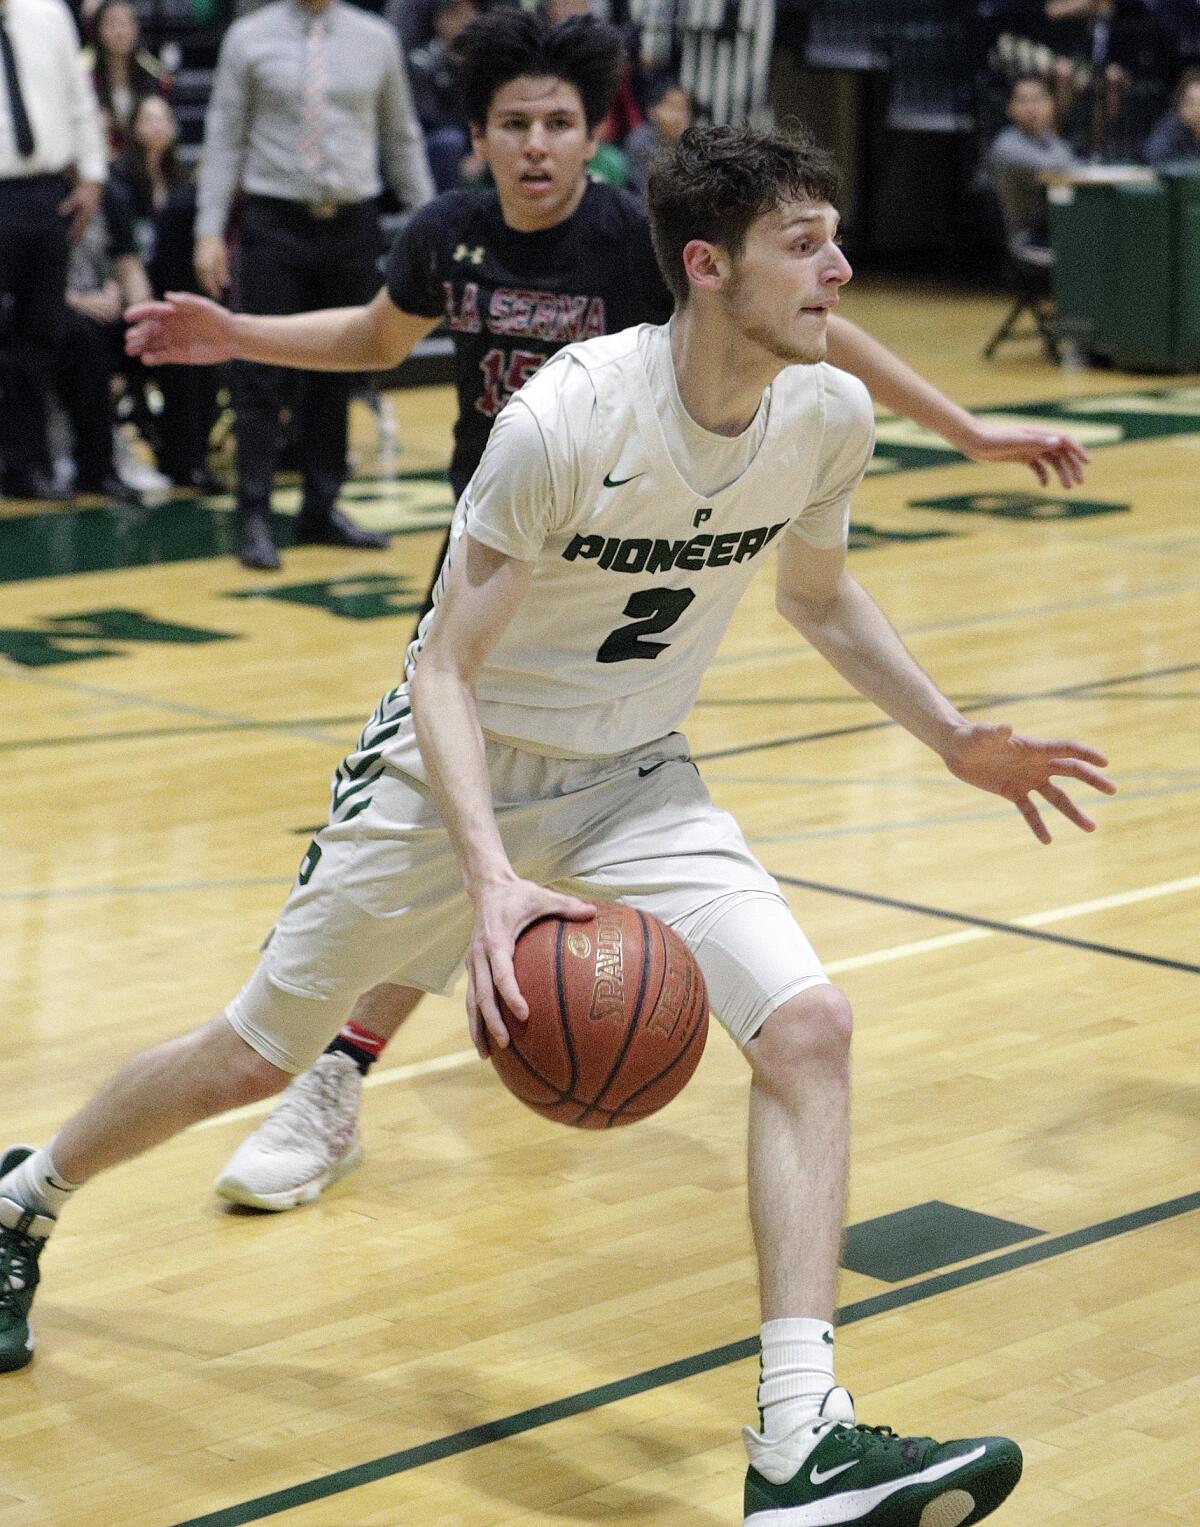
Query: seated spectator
{"type": "Point", "coordinates": [123, 73]}
{"type": "Point", "coordinates": [1176, 135]}
{"type": "Point", "coordinates": [150, 168]}
{"type": "Point", "coordinates": [669, 115]}
{"type": "Point", "coordinates": [436, 97]}
{"type": "Point", "coordinates": [105, 275]}
{"type": "Point", "coordinates": [1020, 154]}
{"type": "Point", "coordinates": [163, 195]}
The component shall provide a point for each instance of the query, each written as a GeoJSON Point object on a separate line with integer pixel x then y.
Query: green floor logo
{"type": "Point", "coordinates": [93, 634]}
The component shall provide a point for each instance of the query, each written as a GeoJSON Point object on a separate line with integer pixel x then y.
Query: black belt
{"type": "Point", "coordinates": [321, 211]}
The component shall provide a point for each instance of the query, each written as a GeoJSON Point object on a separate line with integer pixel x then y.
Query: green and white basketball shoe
{"type": "Point", "coordinates": [22, 1236]}
{"type": "Point", "coordinates": [831, 1471]}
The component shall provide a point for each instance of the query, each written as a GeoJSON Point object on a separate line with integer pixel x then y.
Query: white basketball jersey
{"type": "Point", "coordinates": [635, 574]}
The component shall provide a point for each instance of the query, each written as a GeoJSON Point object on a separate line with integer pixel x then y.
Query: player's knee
{"type": "Point", "coordinates": [813, 1028]}
{"type": "Point", "coordinates": [252, 1078]}
{"type": "Point", "coordinates": [230, 1071]}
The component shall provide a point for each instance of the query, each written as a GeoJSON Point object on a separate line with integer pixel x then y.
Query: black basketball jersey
{"type": "Point", "coordinates": [512, 299]}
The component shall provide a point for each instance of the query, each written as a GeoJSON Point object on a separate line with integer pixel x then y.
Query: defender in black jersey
{"type": "Point", "coordinates": [517, 272]}
{"type": "Point", "coordinates": [510, 299]}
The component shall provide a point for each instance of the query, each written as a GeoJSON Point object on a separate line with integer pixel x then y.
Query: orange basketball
{"type": "Point", "coordinates": [618, 1016]}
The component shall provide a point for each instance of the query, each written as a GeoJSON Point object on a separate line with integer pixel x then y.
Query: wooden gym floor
{"type": "Point", "coordinates": [498, 1321]}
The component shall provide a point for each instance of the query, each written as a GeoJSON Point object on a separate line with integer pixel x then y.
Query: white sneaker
{"type": "Point", "coordinates": [309, 1140]}
{"type": "Point", "coordinates": [133, 471]}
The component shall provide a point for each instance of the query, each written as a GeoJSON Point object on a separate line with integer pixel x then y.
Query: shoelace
{"type": "Point", "coordinates": [323, 1087]}
{"type": "Point", "coordinates": [18, 1267]}
{"type": "Point", "coordinates": [885, 1434]}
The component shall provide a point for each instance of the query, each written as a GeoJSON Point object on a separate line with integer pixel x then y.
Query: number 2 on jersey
{"type": "Point", "coordinates": [654, 610]}
{"type": "Point", "coordinates": [502, 376]}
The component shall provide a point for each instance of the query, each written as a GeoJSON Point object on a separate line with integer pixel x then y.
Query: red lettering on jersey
{"type": "Point", "coordinates": [546, 322]}
{"type": "Point", "coordinates": [464, 320]}
{"type": "Point", "coordinates": [499, 309]}
{"type": "Point", "coordinates": [595, 319]}
{"type": "Point", "coordinates": [573, 314]}
{"type": "Point", "coordinates": [553, 316]}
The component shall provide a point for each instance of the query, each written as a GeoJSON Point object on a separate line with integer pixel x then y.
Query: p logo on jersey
{"type": "Point", "coordinates": [701, 514]}
{"type": "Point", "coordinates": [468, 254]}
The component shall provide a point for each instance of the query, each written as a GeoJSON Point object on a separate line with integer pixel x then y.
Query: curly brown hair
{"type": "Point", "coordinates": [715, 181]}
{"type": "Point", "coordinates": [507, 44]}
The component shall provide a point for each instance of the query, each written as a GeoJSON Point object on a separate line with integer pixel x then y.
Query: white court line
{"type": "Point", "coordinates": [374, 1079]}
{"type": "Point", "coordinates": [855, 962]}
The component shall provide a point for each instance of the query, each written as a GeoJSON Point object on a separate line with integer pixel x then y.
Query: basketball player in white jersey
{"type": "Point", "coordinates": [625, 500]}
{"type": "Point", "coordinates": [535, 94]}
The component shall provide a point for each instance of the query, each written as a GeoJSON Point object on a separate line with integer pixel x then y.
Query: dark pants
{"type": "Point", "coordinates": [90, 356]}
{"type": "Point", "coordinates": [189, 412]}
{"type": "Point", "coordinates": [33, 279]}
{"type": "Point", "coordinates": [292, 262]}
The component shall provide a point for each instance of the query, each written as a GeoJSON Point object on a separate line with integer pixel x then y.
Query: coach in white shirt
{"type": "Point", "coordinates": [52, 167]}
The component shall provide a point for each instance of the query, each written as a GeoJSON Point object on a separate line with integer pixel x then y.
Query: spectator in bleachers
{"type": "Point", "coordinates": [437, 99]}
{"type": "Point", "coordinates": [1027, 148]}
{"type": "Point", "coordinates": [150, 167]}
{"type": "Point", "coordinates": [309, 95]}
{"type": "Point", "coordinates": [163, 194]}
{"type": "Point", "coordinates": [52, 168]}
{"type": "Point", "coordinates": [1176, 135]}
{"type": "Point", "coordinates": [123, 73]}
{"type": "Point", "coordinates": [668, 116]}
{"type": "Point", "coordinates": [105, 275]}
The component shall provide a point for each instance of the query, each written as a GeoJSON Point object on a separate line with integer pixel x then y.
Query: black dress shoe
{"type": "Point", "coordinates": [111, 487]}
{"type": "Point", "coordinates": [256, 549]}
{"type": "Point", "coordinates": [33, 483]}
{"type": "Point", "coordinates": [337, 530]}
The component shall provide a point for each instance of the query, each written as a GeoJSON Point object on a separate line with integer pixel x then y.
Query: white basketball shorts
{"type": "Point", "coordinates": [379, 895]}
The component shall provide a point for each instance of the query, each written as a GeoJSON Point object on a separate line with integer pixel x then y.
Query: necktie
{"type": "Point", "coordinates": [312, 125]}
{"type": "Point", "coordinates": [22, 130]}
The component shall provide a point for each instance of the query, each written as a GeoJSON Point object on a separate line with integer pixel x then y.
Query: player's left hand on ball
{"type": "Point", "coordinates": [502, 913]}
{"type": "Point", "coordinates": [1043, 451]}
{"type": "Point", "coordinates": [993, 757]}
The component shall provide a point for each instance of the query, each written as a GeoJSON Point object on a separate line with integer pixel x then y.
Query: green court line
{"type": "Point", "coordinates": [473, 1437]}
{"type": "Point", "coordinates": [993, 924]}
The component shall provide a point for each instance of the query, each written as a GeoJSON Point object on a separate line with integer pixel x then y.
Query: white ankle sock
{"type": "Point", "coordinates": [36, 1185]}
{"type": "Point", "coordinates": [796, 1373]}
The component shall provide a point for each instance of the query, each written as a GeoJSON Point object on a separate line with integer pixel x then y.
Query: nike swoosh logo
{"type": "Point", "coordinates": [643, 772]}
{"type": "Point", "coordinates": [819, 1476]}
{"type": "Point", "coordinates": [617, 482]}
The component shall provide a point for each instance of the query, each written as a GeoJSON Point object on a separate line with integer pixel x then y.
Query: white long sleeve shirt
{"type": "Point", "coordinates": [58, 95]}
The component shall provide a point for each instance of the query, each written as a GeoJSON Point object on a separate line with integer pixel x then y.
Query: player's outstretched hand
{"type": "Point", "coordinates": [995, 758]}
{"type": "Point", "coordinates": [502, 912]}
{"type": "Point", "coordinates": [181, 330]}
{"type": "Point", "coordinates": [1043, 451]}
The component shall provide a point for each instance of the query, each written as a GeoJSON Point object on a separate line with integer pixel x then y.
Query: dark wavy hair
{"type": "Point", "coordinates": [505, 44]}
{"type": "Point", "coordinates": [715, 181]}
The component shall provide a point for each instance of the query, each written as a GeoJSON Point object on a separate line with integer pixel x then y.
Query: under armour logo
{"type": "Point", "coordinates": [467, 252]}
{"type": "Point", "coordinates": [700, 516]}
